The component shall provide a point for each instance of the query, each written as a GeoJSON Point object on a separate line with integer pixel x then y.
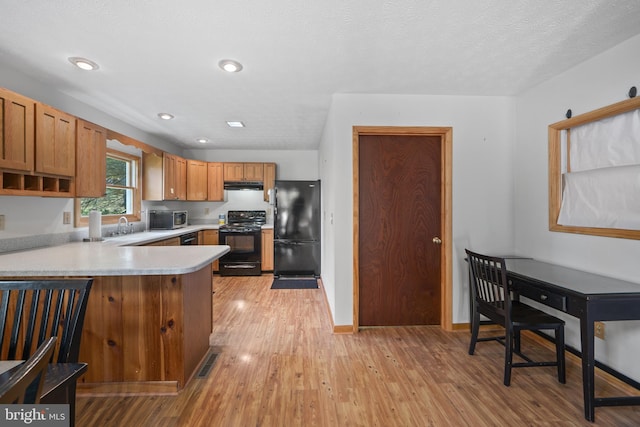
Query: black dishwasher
{"type": "Point", "coordinates": [189, 239]}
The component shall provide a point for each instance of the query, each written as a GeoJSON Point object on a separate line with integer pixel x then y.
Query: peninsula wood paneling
{"type": "Point", "coordinates": [143, 333]}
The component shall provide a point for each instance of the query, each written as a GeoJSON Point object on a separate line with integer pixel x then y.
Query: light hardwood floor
{"type": "Point", "coordinates": [280, 365]}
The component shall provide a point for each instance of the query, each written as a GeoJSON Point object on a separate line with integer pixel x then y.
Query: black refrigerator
{"type": "Point", "coordinates": [296, 229]}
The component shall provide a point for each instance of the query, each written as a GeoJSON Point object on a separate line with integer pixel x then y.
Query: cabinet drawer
{"type": "Point", "coordinates": [542, 296]}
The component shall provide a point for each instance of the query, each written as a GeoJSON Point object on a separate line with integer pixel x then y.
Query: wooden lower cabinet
{"type": "Point", "coordinates": [267, 249]}
{"type": "Point", "coordinates": [172, 241]}
{"type": "Point", "coordinates": [145, 334]}
{"type": "Point", "coordinates": [210, 237]}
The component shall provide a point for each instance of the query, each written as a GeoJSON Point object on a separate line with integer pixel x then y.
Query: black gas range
{"type": "Point", "coordinates": [243, 234]}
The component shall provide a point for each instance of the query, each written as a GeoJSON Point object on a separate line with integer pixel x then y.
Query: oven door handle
{"type": "Point", "coordinates": [187, 241]}
{"type": "Point", "coordinates": [239, 266]}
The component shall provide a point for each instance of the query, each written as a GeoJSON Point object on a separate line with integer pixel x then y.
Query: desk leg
{"type": "Point", "coordinates": [588, 375]}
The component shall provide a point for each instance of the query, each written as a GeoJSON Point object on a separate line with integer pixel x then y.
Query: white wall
{"type": "Point", "coordinates": [601, 81]}
{"type": "Point", "coordinates": [25, 216]}
{"type": "Point", "coordinates": [483, 136]}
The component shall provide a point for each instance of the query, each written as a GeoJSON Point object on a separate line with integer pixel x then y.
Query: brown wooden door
{"type": "Point", "coordinates": [399, 216]}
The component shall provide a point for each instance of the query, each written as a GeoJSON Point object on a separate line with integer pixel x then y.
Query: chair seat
{"type": "Point", "coordinates": [523, 314]}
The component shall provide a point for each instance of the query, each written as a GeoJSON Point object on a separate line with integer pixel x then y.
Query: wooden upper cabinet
{"type": "Point", "coordinates": [253, 171]}
{"type": "Point", "coordinates": [233, 171]}
{"type": "Point", "coordinates": [91, 160]}
{"type": "Point", "coordinates": [215, 181]}
{"type": "Point", "coordinates": [17, 131]}
{"type": "Point", "coordinates": [152, 176]}
{"type": "Point", "coordinates": [169, 173]}
{"type": "Point", "coordinates": [196, 180]}
{"type": "Point", "coordinates": [269, 179]}
{"type": "Point", "coordinates": [175, 177]}
{"type": "Point", "coordinates": [55, 141]}
{"type": "Point", "coordinates": [243, 171]}
{"type": "Point", "coordinates": [181, 178]}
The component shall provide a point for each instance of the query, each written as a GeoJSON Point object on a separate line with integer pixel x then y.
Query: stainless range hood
{"type": "Point", "coordinates": [243, 185]}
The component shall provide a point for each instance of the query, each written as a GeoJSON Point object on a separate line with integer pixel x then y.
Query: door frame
{"type": "Point", "coordinates": [446, 286]}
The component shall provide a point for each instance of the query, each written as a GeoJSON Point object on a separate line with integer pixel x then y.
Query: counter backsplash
{"type": "Point", "coordinates": [14, 244]}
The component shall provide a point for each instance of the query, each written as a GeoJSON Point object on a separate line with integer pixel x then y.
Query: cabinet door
{"type": "Point", "coordinates": [215, 182]}
{"type": "Point", "coordinates": [172, 241]}
{"type": "Point", "coordinates": [169, 167]}
{"type": "Point", "coordinates": [196, 180]}
{"type": "Point", "coordinates": [16, 131]}
{"type": "Point", "coordinates": [210, 237]}
{"type": "Point", "coordinates": [174, 173]}
{"type": "Point", "coordinates": [269, 179]}
{"type": "Point", "coordinates": [253, 172]}
{"type": "Point", "coordinates": [267, 250]}
{"type": "Point", "coordinates": [55, 141]}
{"type": "Point", "coordinates": [233, 171]}
{"type": "Point", "coordinates": [152, 176]}
{"type": "Point", "coordinates": [91, 160]}
{"type": "Point", "coordinates": [181, 178]}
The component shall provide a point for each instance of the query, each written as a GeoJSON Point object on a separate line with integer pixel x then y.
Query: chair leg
{"type": "Point", "coordinates": [516, 341]}
{"type": "Point", "coordinates": [560, 354]}
{"type": "Point", "coordinates": [475, 329]}
{"type": "Point", "coordinates": [508, 355]}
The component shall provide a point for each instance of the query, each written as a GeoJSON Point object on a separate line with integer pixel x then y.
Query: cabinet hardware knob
{"type": "Point", "coordinates": [436, 240]}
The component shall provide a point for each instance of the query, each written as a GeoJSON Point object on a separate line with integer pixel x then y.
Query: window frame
{"type": "Point", "coordinates": [555, 169]}
{"type": "Point", "coordinates": [83, 221]}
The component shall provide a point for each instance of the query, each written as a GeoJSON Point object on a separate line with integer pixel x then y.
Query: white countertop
{"type": "Point", "coordinates": [113, 257]}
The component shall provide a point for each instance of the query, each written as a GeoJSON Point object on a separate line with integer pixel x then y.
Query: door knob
{"type": "Point", "coordinates": [437, 240]}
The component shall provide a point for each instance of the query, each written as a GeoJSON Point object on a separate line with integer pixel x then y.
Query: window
{"type": "Point", "coordinates": [123, 194]}
{"type": "Point", "coordinates": [594, 172]}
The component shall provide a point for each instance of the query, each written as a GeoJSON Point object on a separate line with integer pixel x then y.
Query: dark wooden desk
{"type": "Point", "coordinates": [59, 384]}
{"type": "Point", "coordinates": [590, 298]}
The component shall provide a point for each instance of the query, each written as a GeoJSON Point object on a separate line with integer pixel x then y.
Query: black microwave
{"type": "Point", "coordinates": [167, 220]}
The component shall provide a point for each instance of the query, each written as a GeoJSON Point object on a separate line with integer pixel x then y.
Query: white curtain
{"type": "Point", "coordinates": [603, 187]}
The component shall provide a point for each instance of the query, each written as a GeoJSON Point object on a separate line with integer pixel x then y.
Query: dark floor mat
{"type": "Point", "coordinates": [294, 284]}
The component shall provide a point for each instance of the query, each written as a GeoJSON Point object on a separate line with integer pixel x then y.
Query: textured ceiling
{"type": "Point", "coordinates": [161, 56]}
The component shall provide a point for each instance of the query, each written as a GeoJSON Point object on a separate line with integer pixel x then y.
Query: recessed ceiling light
{"type": "Point", "coordinates": [84, 63]}
{"type": "Point", "coordinates": [235, 124]}
{"type": "Point", "coordinates": [165, 116]}
{"type": "Point", "coordinates": [230, 66]}
{"type": "Point", "coordinates": [202, 140]}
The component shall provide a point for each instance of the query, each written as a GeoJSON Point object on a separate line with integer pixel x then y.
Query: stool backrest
{"type": "Point", "coordinates": [32, 370]}
{"type": "Point", "coordinates": [31, 311]}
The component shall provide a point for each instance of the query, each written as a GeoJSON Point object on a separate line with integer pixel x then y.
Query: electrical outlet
{"type": "Point", "coordinates": [66, 217]}
{"type": "Point", "coordinates": [599, 330]}
{"type": "Point", "coordinates": [206, 211]}
{"type": "Point", "coordinates": [1, 222]}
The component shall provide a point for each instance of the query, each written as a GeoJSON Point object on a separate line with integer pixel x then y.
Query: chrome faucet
{"type": "Point", "coordinates": [126, 225]}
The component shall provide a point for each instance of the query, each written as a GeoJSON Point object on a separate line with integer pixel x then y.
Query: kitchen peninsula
{"type": "Point", "coordinates": [149, 314]}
